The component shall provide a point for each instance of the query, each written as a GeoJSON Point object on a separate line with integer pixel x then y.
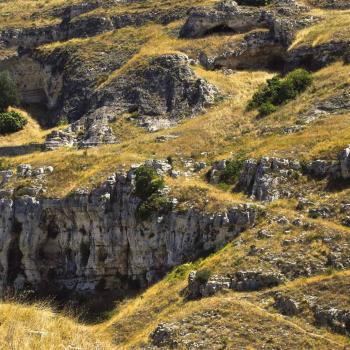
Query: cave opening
{"type": "Point", "coordinates": [14, 255]}
{"type": "Point", "coordinates": [221, 29]}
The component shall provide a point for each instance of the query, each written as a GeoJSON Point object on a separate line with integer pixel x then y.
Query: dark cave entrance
{"type": "Point", "coordinates": [14, 257]}
{"type": "Point", "coordinates": [221, 29]}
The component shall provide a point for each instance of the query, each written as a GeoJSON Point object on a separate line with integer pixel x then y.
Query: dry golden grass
{"type": "Point", "coordinates": [220, 131]}
{"type": "Point", "coordinates": [19, 13]}
{"type": "Point", "coordinates": [334, 26]}
{"type": "Point", "coordinates": [38, 327]}
{"type": "Point", "coordinates": [32, 133]}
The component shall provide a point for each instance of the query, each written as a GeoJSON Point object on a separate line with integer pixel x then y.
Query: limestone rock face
{"type": "Point", "coordinates": [344, 159]}
{"type": "Point", "coordinates": [166, 89]}
{"type": "Point", "coordinates": [72, 26]}
{"type": "Point", "coordinates": [224, 17]}
{"type": "Point", "coordinates": [239, 281]}
{"type": "Point", "coordinates": [337, 320]}
{"type": "Point", "coordinates": [93, 241]}
{"type": "Point", "coordinates": [317, 57]}
{"type": "Point", "coordinates": [262, 179]}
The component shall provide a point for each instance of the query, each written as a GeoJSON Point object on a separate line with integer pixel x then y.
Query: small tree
{"type": "Point", "coordinates": [11, 122]}
{"type": "Point", "coordinates": [8, 92]}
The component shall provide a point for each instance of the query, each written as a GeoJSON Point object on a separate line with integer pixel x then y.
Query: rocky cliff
{"type": "Point", "coordinates": [95, 241]}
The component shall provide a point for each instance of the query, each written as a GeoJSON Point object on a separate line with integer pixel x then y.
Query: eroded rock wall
{"type": "Point", "coordinates": [94, 241]}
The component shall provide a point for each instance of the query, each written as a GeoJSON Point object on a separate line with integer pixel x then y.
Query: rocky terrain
{"type": "Point", "coordinates": [145, 194]}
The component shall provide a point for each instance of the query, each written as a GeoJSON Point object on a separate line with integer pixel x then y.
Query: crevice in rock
{"type": "Point", "coordinates": [14, 254]}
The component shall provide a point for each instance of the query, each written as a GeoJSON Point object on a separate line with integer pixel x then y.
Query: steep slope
{"type": "Point", "coordinates": [144, 192]}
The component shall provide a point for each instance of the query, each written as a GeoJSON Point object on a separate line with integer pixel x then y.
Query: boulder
{"type": "Point", "coordinates": [255, 280]}
{"type": "Point", "coordinates": [285, 305]}
{"type": "Point", "coordinates": [164, 335]}
{"type": "Point", "coordinates": [344, 159]}
{"type": "Point", "coordinates": [5, 176]}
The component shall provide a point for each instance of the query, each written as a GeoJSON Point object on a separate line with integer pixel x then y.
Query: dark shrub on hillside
{"type": "Point", "coordinates": [203, 275]}
{"type": "Point", "coordinates": [266, 109]}
{"type": "Point", "coordinates": [148, 182]}
{"type": "Point", "coordinates": [253, 2]}
{"type": "Point", "coordinates": [231, 173]}
{"type": "Point", "coordinates": [278, 91]}
{"type": "Point", "coordinates": [148, 188]}
{"type": "Point", "coordinates": [8, 92]}
{"type": "Point", "coordinates": [11, 122]}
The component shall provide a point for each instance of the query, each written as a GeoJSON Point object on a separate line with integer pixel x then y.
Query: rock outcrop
{"type": "Point", "coordinates": [239, 281]}
{"type": "Point", "coordinates": [73, 26]}
{"type": "Point", "coordinates": [335, 319]}
{"type": "Point", "coordinates": [158, 94]}
{"type": "Point", "coordinates": [264, 179]}
{"type": "Point", "coordinates": [94, 240]}
{"type": "Point", "coordinates": [162, 92]}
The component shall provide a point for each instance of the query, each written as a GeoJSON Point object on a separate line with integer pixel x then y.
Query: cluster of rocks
{"type": "Point", "coordinates": [25, 171]}
{"type": "Point", "coordinates": [335, 319]}
{"type": "Point", "coordinates": [238, 281]}
{"type": "Point", "coordinates": [89, 131]}
{"type": "Point", "coordinates": [268, 179]}
{"type": "Point", "coordinates": [286, 305]}
{"type": "Point", "coordinates": [338, 320]}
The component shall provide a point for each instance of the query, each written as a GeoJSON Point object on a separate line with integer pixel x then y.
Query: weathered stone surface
{"type": "Point", "coordinates": [198, 289]}
{"type": "Point", "coordinates": [285, 305]}
{"type": "Point", "coordinates": [93, 240]}
{"type": "Point", "coordinates": [337, 104]}
{"type": "Point", "coordinates": [316, 57]}
{"type": "Point", "coordinates": [5, 176]}
{"type": "Point", "coordinates": [264, 179]}
{"type": "Point", "coordinates": [258, 49]}
{"type": "Point", "coordinates": [337, 320]}
{"type": "Point", "coordinates": [239, 281]}
{"type": "Point", "coordinates": [164, 335]}
{"type": "Point", "coordinates": [344, 159]}
{"type": "Point", "coordinates": [225, 15]}
{"type": "Point", "coordinates": [72, 27]}
{"type": "Point", "coordinates": [255, 280]}
{"type": "Point", "coordinates": [161, 93]}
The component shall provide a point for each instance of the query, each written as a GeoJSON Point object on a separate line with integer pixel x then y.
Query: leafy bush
{"type": "Point", "coordinates": [233, 168]}
{"type": "Point", "coordinates": [203, 275]}
{"type": "Point", "coordinates": [147, 188]}
{"type": "Point", "coordinates": [266, 109]}
{"type": "Point", "coordinates": [253, 2]}
{"type": "Point", "coordinates": [11, 122]}
{"type": "Point", "coordinates": [148, 182]}
{"type": "Point", "coordinates": [278, 91]}
{"type": "Point", "coordinates": [8, 92]}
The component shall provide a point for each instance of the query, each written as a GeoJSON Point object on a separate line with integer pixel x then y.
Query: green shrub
{"type": "Point", "coordinates": [8, 92]}
{"type": "Point", "coordinates": [155, 203]}
{"type": "Point", "coordinates": [266, 109]}
{"type": "Point", "coordinates": [253, 2]}
{"type": "Point", "coordinates": [147, 182]}
{"type": "Point", "coordinates": [278, 91]}
{"type": "Point", "coordinates": [148, 185]}
{"type": "Point", "coordinates": [203, 275]}
{"type": "Point", "coordinates": [233, 168]}
{"type": "Point", "coordinates": [11, 122]}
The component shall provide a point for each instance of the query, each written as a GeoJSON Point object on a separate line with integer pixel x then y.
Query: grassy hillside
{"type": "Point", "coordinates": [230, 319]}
